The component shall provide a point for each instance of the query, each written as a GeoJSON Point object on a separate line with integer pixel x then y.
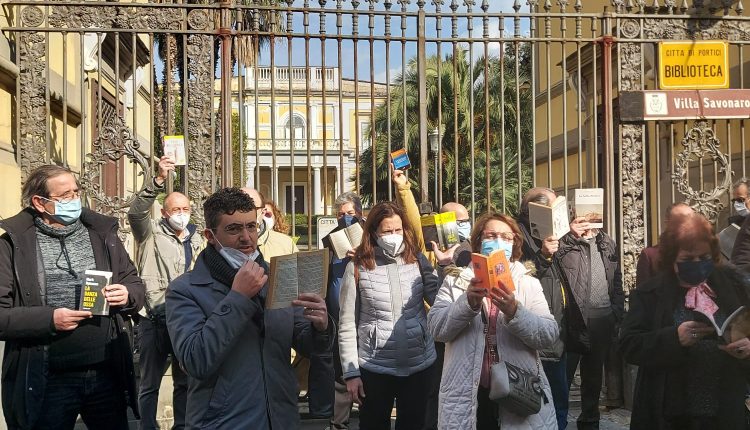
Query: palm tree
{"type": "Point", "coordinates": [502, 83]}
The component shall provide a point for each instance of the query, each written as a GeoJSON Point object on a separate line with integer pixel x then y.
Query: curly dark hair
{"type": "Point", "coordinates": [226, 201]}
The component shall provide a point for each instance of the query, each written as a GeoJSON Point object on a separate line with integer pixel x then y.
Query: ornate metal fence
{"type": "Point", "coordinates": [304, 100]}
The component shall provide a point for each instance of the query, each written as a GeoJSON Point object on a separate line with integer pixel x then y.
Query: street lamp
{"type": "Point", "coordinates": [434, 139]}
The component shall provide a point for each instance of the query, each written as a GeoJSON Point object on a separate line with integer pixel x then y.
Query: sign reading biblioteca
{"type": "Point", "coordinates": [693, 64]}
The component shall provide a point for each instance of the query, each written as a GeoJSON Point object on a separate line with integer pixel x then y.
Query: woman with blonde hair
{"type": "Point", "coordinates": [483, 324]}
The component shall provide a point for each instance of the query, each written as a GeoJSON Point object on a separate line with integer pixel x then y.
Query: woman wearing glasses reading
{"type": "Point", "coordinates": [482, 324]}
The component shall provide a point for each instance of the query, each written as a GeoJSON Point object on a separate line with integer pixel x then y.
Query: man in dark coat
{"type": "Point", "coordinates": [542, 254]}
{"type": "Point", "coordinates": [237, 353]}
{"type": "Point", "coordinates": [590, 265]}
{"type": "Point", "coordinates": [61, 362]}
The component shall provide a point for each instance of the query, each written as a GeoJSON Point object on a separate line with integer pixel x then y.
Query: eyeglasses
{"type": "Point", "coordinates": [463, 222]}
{"type": "Point", "coordinates": [65, 198]}
{"type": "Point", "coordinates": [508, 237]}
{"type": "Point", "coordinates": [236, 229]}
{"type": "Point", "coordinates": [739, 200]}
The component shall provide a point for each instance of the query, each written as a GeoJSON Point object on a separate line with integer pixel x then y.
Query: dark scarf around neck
{"type": "Point", "coordinates": [218, 266]}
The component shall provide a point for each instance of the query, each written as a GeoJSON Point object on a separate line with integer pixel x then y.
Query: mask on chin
{"type": "Point", "coordinates": [234, 257]}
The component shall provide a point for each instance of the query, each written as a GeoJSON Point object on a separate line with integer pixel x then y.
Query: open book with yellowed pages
{"type": "Point", "coordinates": [295, 274]}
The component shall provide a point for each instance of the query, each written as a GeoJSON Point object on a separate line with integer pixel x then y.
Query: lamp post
{"type": "Point", "coordinates": [434, 139]}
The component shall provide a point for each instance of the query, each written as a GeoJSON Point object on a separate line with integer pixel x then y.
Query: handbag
{"type": "Point", "coordinates": [514, 389]}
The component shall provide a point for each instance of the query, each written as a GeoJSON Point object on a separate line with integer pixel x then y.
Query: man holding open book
{"type": "Point", "coordinates": [234, 348]}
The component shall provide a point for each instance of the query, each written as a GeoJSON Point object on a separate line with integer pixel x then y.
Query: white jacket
{"type": "Point", "coordinates": [451, 320]}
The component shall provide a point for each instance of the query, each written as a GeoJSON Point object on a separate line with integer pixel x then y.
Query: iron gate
{"type": "Point", "coordinates": [305, 99]}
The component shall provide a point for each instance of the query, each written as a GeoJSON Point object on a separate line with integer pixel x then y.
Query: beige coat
{"type": "Point", "coordinates": [160, 253]}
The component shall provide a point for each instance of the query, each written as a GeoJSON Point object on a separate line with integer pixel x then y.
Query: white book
{"type": "Point", "coordinates": [174, 146]}
{"type": "Point", "coordinates": [546, 221]}
{"type": "Point", "coordinates": [588, 203]}
{"type": "Point", "coordinates": [346, 239]}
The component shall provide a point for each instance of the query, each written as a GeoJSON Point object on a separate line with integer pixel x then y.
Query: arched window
{"type": "Point", "coordinates": [295, 127]}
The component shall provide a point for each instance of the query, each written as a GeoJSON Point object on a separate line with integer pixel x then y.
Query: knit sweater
{"type": "Point", "coordinates": [66, 253]}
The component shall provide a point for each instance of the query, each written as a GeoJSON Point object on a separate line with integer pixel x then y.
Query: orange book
{"type": "Point", "coordinates": [493, 269]}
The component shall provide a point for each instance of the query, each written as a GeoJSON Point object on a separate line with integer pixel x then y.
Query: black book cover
{"type": "Point", "coordinates": [92, 292]}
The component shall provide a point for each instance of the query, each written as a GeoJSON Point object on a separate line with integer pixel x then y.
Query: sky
{"type": "Point", "coordinates": [363, 64]}
{"type": "Point", "coordinates": [379, 46]}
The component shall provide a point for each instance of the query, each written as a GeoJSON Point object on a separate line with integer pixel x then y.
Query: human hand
{"type": "Point", "coordinates": [116, 294]}
{"type": "Point", "coordinates": [690, 332]}
{"type": "Point", "coordinates": [579, 226]}
{"type": "Point", "coordinates": [314, 310]}
{"type": "Point", "coordinates": [356, 390]}
{"type": "Point", "coordinates": [476, 293]}
{"type": "Point", "coordinates": [443, 258]}
{"type": "Point", "coordinates": [67, 319]}
{"type": "Point", "coordinates": [250, 279]}
{"type": "Point", "coordinates": [166, 166]}
{"type": "Point", "coordinates": [738, 349]}
{"type": "Point", "coordinates": [350, 253]}
{"type": "Point", "coordinates": [549, 246]}
{"type": "Point", "coordinates": [399, 178]}
{"type": "Point", "coordinates": [505, 300]}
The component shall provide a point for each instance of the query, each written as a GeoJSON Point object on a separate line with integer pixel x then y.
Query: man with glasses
{"type": "Point", "coordinates": [740, 201]}
{"type": "Point", "coordinates": [167, 248]}
{"type": "Point", "coordinates": [61, 362]}
{"type": "Point", "coordinates": [235, 351]}
{"type": "Point", "coordinates": [271, 243]}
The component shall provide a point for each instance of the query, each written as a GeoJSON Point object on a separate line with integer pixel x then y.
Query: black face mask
{"type": "Point", "coordinates": [694, 272]}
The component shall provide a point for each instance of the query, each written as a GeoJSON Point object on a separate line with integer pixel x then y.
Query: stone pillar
{"type": "Point", "coordinates": [317, 195]}
{"type": "Point", "coordinates": [275, 185]}
{"type": "Point", "coordinates": [250, 171]}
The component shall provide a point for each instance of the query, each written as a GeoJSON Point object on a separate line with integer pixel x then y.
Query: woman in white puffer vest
{"type": "Point", "coordinates": [520, 324]}
{"type": "Point", "coordinates": [386, 350]}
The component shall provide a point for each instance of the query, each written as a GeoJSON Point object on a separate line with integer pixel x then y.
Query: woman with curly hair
{"type": "Point", "coordinates": [274, 219]}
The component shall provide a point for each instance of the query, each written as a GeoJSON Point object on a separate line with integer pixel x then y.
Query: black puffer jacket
{"type": "Point", "coordinates": [26, 322]}
{"type": "Point", "coordinates": [574, 257]}
{"type": "Point", "coordinates": [548, 274]}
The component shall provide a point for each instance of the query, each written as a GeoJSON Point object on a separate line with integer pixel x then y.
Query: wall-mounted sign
{"type": "Point", "coordinates": [695, 64]}
{"type": "Point", "coordinates": [684, 104]}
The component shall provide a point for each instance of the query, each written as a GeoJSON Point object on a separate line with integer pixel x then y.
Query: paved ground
{"type": "Point", "coordinates": [616, 419]}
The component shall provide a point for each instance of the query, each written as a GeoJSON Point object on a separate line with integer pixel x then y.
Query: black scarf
{"type": "Point", "coordinates": [221, 271]}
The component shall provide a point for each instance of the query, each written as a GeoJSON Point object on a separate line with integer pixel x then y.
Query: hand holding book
{"type": "Point", "coordinates": [505, 300]}
{"type": "Point", "coordinates": [314, 311]}
{"type": "Point", "coordinates": [116, 294]}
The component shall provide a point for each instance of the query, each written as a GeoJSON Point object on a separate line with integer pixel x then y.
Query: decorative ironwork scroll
{"type": "Point", "coordinates": [200, 142]}
{"type": "Point", "coordinates": [700, 143]}
{"type": "Point", "coordinates": [632, 191]}
{"type": "Point", "coordinates": [114, 142]}
{"type": "Point", "coordinates": [32, 103]}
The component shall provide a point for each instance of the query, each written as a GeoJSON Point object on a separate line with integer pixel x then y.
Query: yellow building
{"type": "Point", "coordinates": [329, 115]}
{"type": "Point", "coordinates": [76, 81]}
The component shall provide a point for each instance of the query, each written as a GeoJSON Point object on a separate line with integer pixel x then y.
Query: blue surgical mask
{"type": "Point", "coordinates": [348, 219]}
{"type": "Point", "coordinates": [464, 231]}
{"type": "Point", "coordinates": [66, 212]}
{"type": "Point", "coordinates": [741, 209]}
{"type": "Point", "coordinates": [694, 272]}
{"type": "Point", "coordinates": [491, 245]}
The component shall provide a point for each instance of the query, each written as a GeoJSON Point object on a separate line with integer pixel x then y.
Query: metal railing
{"type": "Point", "coordinates": [516, 93]}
